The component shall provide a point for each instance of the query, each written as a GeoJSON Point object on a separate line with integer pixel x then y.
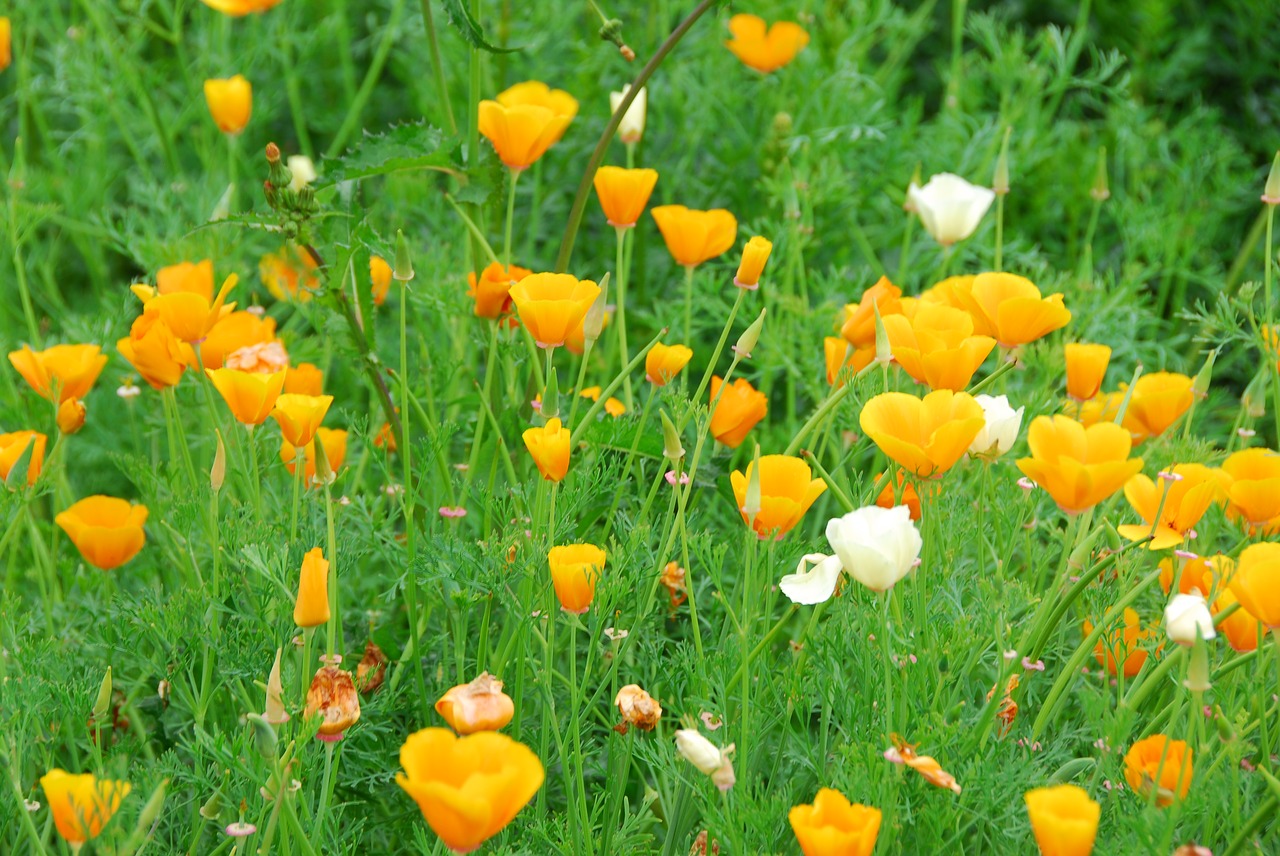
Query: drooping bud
{"type": "Point", "coordinates": [1000, 181]}
{"type": "Point", "coordinates": [403, 270]}
{"type": "Point", "coordinates": [672, 449]}
{"type": "Point", "coordinates": [750, 336]}
{"type": "Point", "coordinates": [551, 397]}
{"type": "Point", "coordinates": [264, 736]}
{"type": "Point", "coordinates": [1100, 190]}
{"type": "Point", "coordinates": [593, 323]}
{"type": "Point", "coordinates": [1271, 195]}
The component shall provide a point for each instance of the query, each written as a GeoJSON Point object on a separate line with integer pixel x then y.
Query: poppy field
{"type": "Point", "coordinates": [681, 427]}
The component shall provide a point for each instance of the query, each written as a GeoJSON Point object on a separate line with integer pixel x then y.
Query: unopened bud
{"type": "Point", "coordinates": [324, 472]}
{"type": "Point", "coordinates": [627, 53]}
{"type": "Point", "coordinates": [1198, 670]}
{"type": "Point", "coordinates": [403, 270]}
{"type": "Point", "coordinates": [273, 154]}
{"type": "Point", "coordinates": [551, 397]}
{"type": "Point", "coordinates": [102, 705]}
{"type": "Point", "coordinates": [1254, 399]}
{"type": "Point", "coordinates": [212, 807]}
{"type": "Point", "coordinates": [1271, 195]}
{"type": "Point", "coordinates": [1079, 558]}
{"type": "Point", "coordinates": [593, 323]}
{"type": "Point", "coordinates": [750, 336]}
{"type": "Point", "coordinates": [1204, 377]}
{"type": "Point", "coordinates": [1225, 732]}
{"type": "Point", "coordinates": [672, 450]}
{"type": "Point", "coordinates": [279, 175]}
{"type": "Point", "coordinates": [884, 350]}
{"type": "Point", "coordinates": [751, 504]}
{"type": "Point", "coordinates": [1100, 190]}
{"type": "Point", "coordinates": [71, 415]}
{"type": "Point", "coordinates": [1000, 181]}
{"type": "Point", "coordinates": [908, 204]}
{"type": "Point", "coordinates": [151, 811]}
{"type": "Point", "coordinates": [264, 736]}
{"type": "Point", "coordinates": [218, 472]}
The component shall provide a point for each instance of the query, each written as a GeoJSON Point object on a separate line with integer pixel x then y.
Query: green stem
{"type": "Point", "coordinates": [688, 303]}
{"type": "Point", "coordinates": [620, 267]}
{"type": "Point", "coordinates": [715, 358]}
{"type": "Point", "coordinates": [511, 214]}
{"type": "Point", "coordinates": [370, 81]}
{"type": "Point", "coordinates": [437, 66]}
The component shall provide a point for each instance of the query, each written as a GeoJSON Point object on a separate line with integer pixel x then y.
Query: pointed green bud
{"type": "Point", "coordinates": [102, 705]}
{"type": "Point", "coordinates": [593, 324]}
{"type": "Point", "coordinates": [551, 397]}
{"type": "Point", "coordinates": [1204, 377]}
{"type": "Point", "coordinates": [672, 450]}
{"type": "Point", "coordinates": [1114, 541]}
{"type": "Point", "coordinates": [1255, 394]}
{"type": "Point", "coordinates": [750, 336]}
{"type": "Point", "coordinates": [150, 812]}
{"type": "Point", "coordinates": [278, 174]}
{"type": "Point", "coordinates": [1225, 732]}
{"type": "Point", "coordinates": [264, 736]}
{"type": "Point", "coordinates": [1079, 558]}
{"type": "Point", "coordinates": [751, 504]}
{"type": "Point", "coordinates": [403, 269]}
{"type": "Point", "coordinates": [218, 472]}
{"type": "Point", "coordinates": [1000, 181]}
{"type": "Point", "coordinates": [324, 473]}
{"type": "Point", "coordinates": [212, 807]}
{"type": "Point", "coordinates": [1100, 190]}
{"type": "Point", "coordinates": [908, 203]}
{"type": "Point", "coordinates": [1271, 195]}
{"type": "Point", "coordinates": [884, 351]}
{"type": "Point", "coordinates": [1197, 679]}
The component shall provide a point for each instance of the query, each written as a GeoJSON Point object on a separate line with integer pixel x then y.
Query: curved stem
{"type": "Point", "coordinates": [597, 156]}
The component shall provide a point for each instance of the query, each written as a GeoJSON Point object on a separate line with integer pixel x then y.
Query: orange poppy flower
{"type": "Point", "coordinates": [923, 436]}
{"type": "Point", "coordinates": [551, 305]}
{"type": "Point", "coordinates": [155, 352]}
{"type": "Point", "coordinates": [1253, 488]}
{"type": "Point", "coordinates": [240, 8]}
{"type": "Point", "coordinates": [251, 396]}
{"type": "Point", "coordinates": [1157, 402]}
{"type": "Point", "coordinates": [237, 330]}
{"type": "Point", "coordinates": [379, 279]}
{"type": "Point", "coordinates": [493, 292]}
{"type": "Point", "coordinates": [6, 45]}
{"type": "Point", "coordinates": [737, 412]}
{"type": "Point", "coordinates": [833, 826]}
{"type": "Point", "coordinates": [289, 273]}
{"type": "Point", "coordinates": [195, 277]}
{"type": "Point", "coordinates": [71, 415]}
{"type": "Point", "coordinates": [189, 315]}
{"type": "Point", "coordinates": [303, 379]}
{"type": "Point", "coordinates": [754, 257]}
{"type": "Point", "coordinates": [693, 237]}
{"type": "Point", "coordinates": [947, 292]}
{"type": "Point", "coordinates": [899, 492]}
{"type": "Point", "coordinates": [525, 121]}
{"type": "Point", "coordinates": [1086, 369]}
{"type": "Point", "coordinates": [230, 103]}
{"type": "Point", "coordinates": [936, 346]}
{"type": "Point", "coordinates": [468, 788]}
{"type": "Point", "coordinates": [1160, 763]}
{"type": "Point", "coordinates": [1122, 647]}
{"type": "Point", "coordinates": [839, 354]}
{"type": "Point", "coordinates": [300, 416]}
{"type": "Point", "coordinates": [1241, 628]}
{"type": "Point", "coordinates": [81, 804]}
{"type": "Point", "coordinates": [905, 753]}
{"type": "Point", "coordinates": [1188, 497]}
{"type": "Point", "coordinates": [1010, 308]}
{"type": "Point", "coordinates": [624, 193]}
{"type": "Point", "coordinates": [334, 443]}
{"type": "Point", "coordinates": [14, 445]}
{"type": "Point", "coordinates": [787, 489]}
{"type": "Point", "coordinates": [664, 362]}
{"type": "Point", "coordinates": [575, 570]}
{"type": "Point", "coordinates": [478, 706]}
{"type": "Point", "coordinates": [1205, 574]}
{"type": "Point", "coordinates": [549, 446]}
{"type": "Point", "coordinates": [70, 369]}
{"type": "Point", "coordinates": [107, 531]}
{"type": "Point", "coordinates": [1079, 467]}
{"type": "Point", "coordinates": [762, 47]}
{"type": "Point", "coordinates": [1064, 820]}
{"type": "Point", "coordinates": [1101, 408]}
{"type": "Point", "coordinates": [311, 606]}
{"type": "Point", "coordinates": [859, 327]}
{"type": "Point", "coordinates": [1256, 582]}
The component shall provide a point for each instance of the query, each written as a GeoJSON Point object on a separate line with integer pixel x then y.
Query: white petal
{"type": "Point", "coordinates": [812, 585]}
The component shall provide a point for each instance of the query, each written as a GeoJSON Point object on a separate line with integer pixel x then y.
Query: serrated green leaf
{"type": "Point", "coordinates": [459, 16]}
{"type": "Point", "coordinates": [404, 147]}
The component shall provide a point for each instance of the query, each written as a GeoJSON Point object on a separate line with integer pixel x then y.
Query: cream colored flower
{"type": "Point", "coordinates": [950, 207]}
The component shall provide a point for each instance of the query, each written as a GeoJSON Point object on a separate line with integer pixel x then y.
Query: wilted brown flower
{"type": "Point", "coordinates": [478, 706]}
{"type": "Point", "coordinates": [638, 708]}
{"type": "Point", "coordinates": [333, 695]}
{"type": "Point", "coordinates": [371, 671]}
{"type": "Point", "coordinates": [673, 579]}
{"type": "Point", "coordinates": [1008, 710]}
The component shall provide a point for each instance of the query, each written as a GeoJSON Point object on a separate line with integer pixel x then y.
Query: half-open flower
{"type": "Point", "coordinates": [624, 193]}
{"type": "Point", "coordinates": [549, 446]}
{"type": "Point", "coordinates": [1253, 489]}
{"type": "Point", "coordinates": [950, 207]}
{"type": "Point", "coordinates": [693, 237]}
{"type": "Point", "coordinates": [230, 102]}
{"type": "Point", "coordinates": [1079, 467]}
{"type": "Point", "coordinates": [1011, 309]}
{"type": "Point", "coordinates": [1256, 582]}
{"type": "Point", "coordinates": [1160, 764]}
{"type": "Point", "coordinates": [14, 445]}
{"type": "Point", "coordinates": [1064, 820]}
{"type": "Point", "coordinates": [1086, 369]}
{"type": "Point", "coordinates": [492, 292]}
{"type": "Point", "coordinates": [575, 570]}
{"type": "Point", "coordinates": [188, 314]}
{"type": "Point", "coordinates": [1157, 401]}
{"type": "Point", "coordinates": [552, 305]}
{"type": "Point", "coordinates": [740, 407]}
{"type": "Point", "coordinates": [923, 436]}
{"type": "Point", "coordinates": [311, 606]}
{"type": "Point", "coordinates": [936, 345]}
{"type": "Point", "coordinates": [664, 362]}
{"type": "Point", "coordinates": [251, 396]}
{"type": "Point", "coordinates": [763, 47]}
{"type": "Point", "coordinates": [876, 546]}
{"type": "Point", "coordinates": [787, 489]}
{"type": "Point", "coordinates": [107, 531]}
{"type": "Point", "coordinates": [832, 826]}
{"type": "Point", "coordinates": [300, 416]}
{"type": "Point", "coordinates": [71, 370]}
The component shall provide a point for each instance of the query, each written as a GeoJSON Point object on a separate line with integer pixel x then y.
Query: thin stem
{"type": "Point", "coordinates": [620, 267]}
{"type": "Point", "coordinates": [437, 66]}
{"type": "Point", "coordinates": [511, 214]}
{"type": "Point", "coordinates": [688, 302]}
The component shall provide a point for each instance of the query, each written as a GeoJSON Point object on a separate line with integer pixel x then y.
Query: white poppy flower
{"type": "Point", "coordinates": [876, 546]}
{"type": "Point", "coordinates": [1001, 427]}
{"type": "Point", "coordinates": [632, 127]}
{"type": "Point", "coordinates": [950, 207]}
{"type": "Point", "coordinates": [1184, 614]}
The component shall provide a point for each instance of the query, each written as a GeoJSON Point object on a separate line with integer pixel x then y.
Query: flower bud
{"type": "Point", "coordinates": [275, 712]}
{"type": "Point", "coordinates": [884, 350]}
{"type": "Point", "coordinates": [1187, 618]}
{"type": "Point", "coordinates": [631, 128]}
{"type": "Point", "coordinates": [754, 256]}
{"type": "Point", "coordinates": [1100, 191]}
{"type": "Point", "coordinates": [403, 270]}
{"type": "Point", "coordinates": [551, 397]}
{"type": "Point", "coordinates": [102, 704]}
{"type": "Point", "coordinates": [1000, 181]}
{"type": "Point", "coordinates": [593, 322]}
{"type": "Point", "coordinates": [1271, 195]}
{"type": "Point", "coordinates": [311, 607]}
{"type": "Point", "coordinates": [698, 750]}
{"type": "Point", "coordinates": [218, 472]}
{"type": "Point", "coordinates": [1198, 669]}
{"type": "Point", "coordinates": [752, 504]}
{"type": "Point", "coordinates": [750, 336]}
{"type": "Point", "coordinates": [1000, 427]}
{"type": "Point", "coordinates": [212, 807]}
{"type": "Point", "coordinates": [151, 811]}
{"type": "Point", "coordinates": [264, 736]}
{"type": "Point", "coordinates": [1204, 377]}
{"type": "Point", "coordinates": [278, 174]}
{"type": "Point", "coordinates": [671, 448]}
{"type": "Point", "coordinates": [71, 415]}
